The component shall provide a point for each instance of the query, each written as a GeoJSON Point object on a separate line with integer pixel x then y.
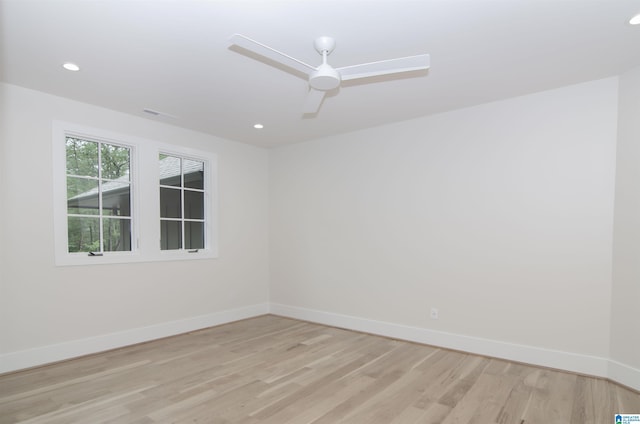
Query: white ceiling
{"type": "Point", "coordinates": [174, 56]}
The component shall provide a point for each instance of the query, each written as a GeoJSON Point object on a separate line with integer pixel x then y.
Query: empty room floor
{"type": "Point", "coordinates": [277, 370]}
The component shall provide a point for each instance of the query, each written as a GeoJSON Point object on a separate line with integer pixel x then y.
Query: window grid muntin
{"type": "Point", "coordinates": [182, 188]}
{"type": "Point", "coordinates": [100, 180]}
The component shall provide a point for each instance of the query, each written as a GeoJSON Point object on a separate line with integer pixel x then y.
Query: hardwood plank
{"type": "Point", "coordinates": [483, 401]}
{"type": "Point", "coordinates": [274, 370]}
{"type": "Point", "coordinates": [552, 401]}
{"type": "Point", "coordinates": [625, 401]}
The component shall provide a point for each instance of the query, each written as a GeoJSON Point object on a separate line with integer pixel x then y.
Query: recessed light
{"type": "Point", "coordinates": [258, 126]}
{"type": "Point", "coordinates": [635, 20]}
{"type": "Point", "coordinates": [71, 67]}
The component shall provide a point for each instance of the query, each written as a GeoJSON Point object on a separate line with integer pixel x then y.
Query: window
{"type": "Point", "coordinates": [98, 196]}
{"type": "Point", "coordinates": [123, 199]}
{"type": "Point", "coordinates": [182, 194]}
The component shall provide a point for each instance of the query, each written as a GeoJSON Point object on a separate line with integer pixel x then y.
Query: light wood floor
{"type": "Point", "coordinates": [277, 370]}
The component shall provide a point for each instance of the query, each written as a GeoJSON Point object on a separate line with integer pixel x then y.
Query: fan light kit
{"type": "Point", "coordinates": [635, 20]}
{"type": "Point", "coordinates": [324, 77]}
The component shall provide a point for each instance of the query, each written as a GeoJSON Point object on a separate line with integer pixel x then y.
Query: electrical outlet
{"type": "Point", "coordinates": [434, 313]}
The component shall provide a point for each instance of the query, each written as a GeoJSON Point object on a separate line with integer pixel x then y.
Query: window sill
{"type": "Point", "coordinates": [74, 259]}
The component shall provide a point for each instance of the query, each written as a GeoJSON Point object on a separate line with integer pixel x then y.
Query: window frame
{"type": "Point", "coordinates": [210, 202]}
{"type": "Point", "coordinates": [101, 180]}
{"type": "Point", "coordinates": [145, 198]}
{"type": "Point", "coordinates": [183, 189]}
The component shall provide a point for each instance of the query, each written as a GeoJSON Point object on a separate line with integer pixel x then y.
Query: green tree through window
{"type": "Point", "coordinates": [98, 196]}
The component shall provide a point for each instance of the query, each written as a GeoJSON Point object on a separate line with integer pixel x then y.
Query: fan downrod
{"type": "Point", "coordinates": [324, 78]}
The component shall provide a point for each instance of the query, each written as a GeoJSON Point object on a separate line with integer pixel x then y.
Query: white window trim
{"type": "Point", "coordinates": [145, 213]}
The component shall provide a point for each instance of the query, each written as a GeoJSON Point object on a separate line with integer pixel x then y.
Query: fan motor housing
{"type": "Point", "coordinates": [324, 78]}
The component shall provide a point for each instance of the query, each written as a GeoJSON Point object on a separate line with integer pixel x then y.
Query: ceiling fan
{"type": "Point", "coordinates": [324, 77]}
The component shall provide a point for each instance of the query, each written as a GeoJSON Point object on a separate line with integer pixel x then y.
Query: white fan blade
{"type": "Point", "coordinates": [314, 99]}
{"type": "Point", "coordinates": [266, 51]}
{"type": "Point", "coordinates": [384, 67]}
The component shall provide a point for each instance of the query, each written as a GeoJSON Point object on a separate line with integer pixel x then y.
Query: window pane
{"type": "Point", "coordinates": [82, 157]}
{"type": "Point", "coordinates": [170, 171]}
{"type": "Point", "coordinates": [182, 203]}
{"type": "Point", "coordinates": [194, 235]}
{"type": "Point", "coordinates": [170, 203]}
{"type": "Point", "coordinates": [82, 196]}
{"type": "Point", "coordinates": [193, 204]}
{"type": "Point", "coordinates": [117, 234]}
{"type": "Point", "coordinates": [116, 198]}
{"type": "Point", "coordinates": [170, 235]}
{"type": "Point", "coordinates": [84, 234]}
{"type": "Point", "coordinates": [193, 174]}
{"type": "Point", "coordinates": [115, 162]}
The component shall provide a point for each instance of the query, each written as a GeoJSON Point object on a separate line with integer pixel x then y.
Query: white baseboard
{"type": "Point", "coordinates": [574, 362]}
{"type": "Point", "coordinates": [52, 353]}
{"type": "Point", "coordinates": [568, 361]}
{"type": "Point", "coordinates": [624, 374]}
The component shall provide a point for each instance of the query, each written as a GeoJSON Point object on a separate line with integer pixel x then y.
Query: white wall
{"type": "Point", "coordinates": [3, 177]}
{"type": "Point", "coordinates": [625, 317]}
{"type": "Point", "coordinates": [50, 312]}
{"type": "Point", "coordinates": [498, 215]}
